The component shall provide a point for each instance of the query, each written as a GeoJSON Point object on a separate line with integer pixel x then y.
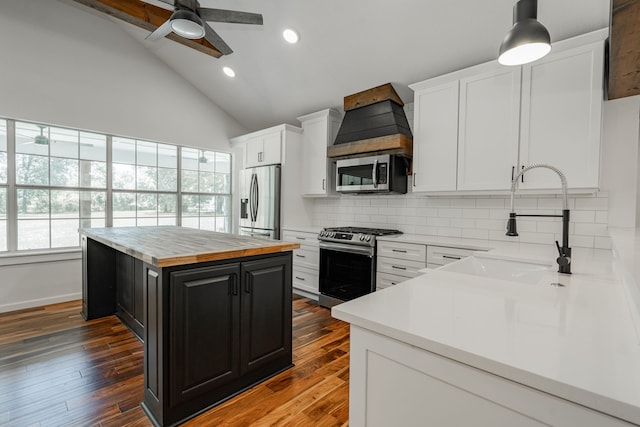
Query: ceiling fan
{"type": "Point", "coordinates": [189, 20]}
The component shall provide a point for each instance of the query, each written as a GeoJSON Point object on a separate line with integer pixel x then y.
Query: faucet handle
{"type": "Point", "coordinates": [559, 250]}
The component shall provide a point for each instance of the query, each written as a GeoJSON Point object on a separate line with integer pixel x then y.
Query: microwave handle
{"type": "Point", "coordinates": [375, 173]}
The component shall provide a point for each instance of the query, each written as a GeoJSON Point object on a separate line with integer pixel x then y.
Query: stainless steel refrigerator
{"type": "Point", "coordinates": [260, 202]}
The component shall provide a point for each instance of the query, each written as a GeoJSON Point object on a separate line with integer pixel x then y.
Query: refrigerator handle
{"type": "Point", "coordinates": [257, 196]}
{"type": "Point", "coordinates": [254, 198]}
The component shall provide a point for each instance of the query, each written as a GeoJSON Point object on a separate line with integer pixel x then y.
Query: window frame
{"type": "Point", "coordinates": [12, 253]}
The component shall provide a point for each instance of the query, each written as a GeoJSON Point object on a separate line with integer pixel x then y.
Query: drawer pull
{"type": "Point", "coordinates": [301, 238]}
{"type": "Point", "coordinates": [300, 256]}
{"type": "Point", "coordinates": [399, 268]}
{"type": "Point", "coordinates": [300, 278]}
{"type": "Point", "coordinates": [399, 250]}
{"type": "Point", "coordinates": [451, 257]}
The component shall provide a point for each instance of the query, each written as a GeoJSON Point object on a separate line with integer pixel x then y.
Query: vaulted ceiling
{"type": "Point", "coordinates": [347, 46]}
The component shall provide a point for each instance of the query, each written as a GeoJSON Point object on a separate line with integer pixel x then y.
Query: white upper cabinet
{"type": "Point", "coordinates": [319, 131]}
{"type": "Point", "coordinates": [561, 118]}
{"type": "Point", "coordinates": [435, 147]}
{"type": "Point", "coordinates": [488, 128]}
{"type": "Point", "coordinates": [263, 149]}
{"type": "Point", "coordinates": [476, 127]}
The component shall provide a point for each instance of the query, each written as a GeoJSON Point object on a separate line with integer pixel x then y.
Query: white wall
{"type": "Point", "coordinates": [62, 65]}
{"type": "Point", "coordinates": [619, 167]}
{"type": "Point", "coordinates": [65, 66]}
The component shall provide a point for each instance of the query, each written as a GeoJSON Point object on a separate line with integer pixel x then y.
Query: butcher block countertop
{"type": "Point", "coordinates": [168, 246]}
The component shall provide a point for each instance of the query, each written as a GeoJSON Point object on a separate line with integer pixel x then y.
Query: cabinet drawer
{"type": "Point", "coordinates": [384, 280]}
{"type": "Point", "coordinates": [405, 251]}
{"type": "Point", "coordinates": [307, 256]}
{"type": "Point", "coordinates": [305, 279]}
{"type": "Point", "coordinates": [400, 267]}
{"type": "Point", "coordinates": [305, 238]}
{"type": "Point", "coordinates": [441, 255]}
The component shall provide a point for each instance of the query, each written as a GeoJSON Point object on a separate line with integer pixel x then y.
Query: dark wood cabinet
{"type": "Point", "coordinates": [230, 327]}
{"type": "Point", "coordinates": [99, 299]}
{"type": "Point", "coordinates": [210, 329]}
{"type": "Point", "coordinates": [205, 330]}
{"type": "Point", "coordinates": [266, 313]}
{"type": "Point", "coordinates": [129, 298]}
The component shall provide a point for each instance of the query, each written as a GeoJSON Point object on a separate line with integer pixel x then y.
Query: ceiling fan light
{"type": "Point", "coordinates": [41, 140]}
{"type": "Point", "coordinates": [229, 71]}
{"type": "Point", "coordinates": [187, 24]}
{"type": "Point", "coordinates": [291, 35]}
{"type": "Point", "coordinates": [528, 40]}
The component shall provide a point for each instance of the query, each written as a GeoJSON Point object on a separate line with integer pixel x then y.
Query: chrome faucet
{"type": "Point", "coordinates": [564, 252]}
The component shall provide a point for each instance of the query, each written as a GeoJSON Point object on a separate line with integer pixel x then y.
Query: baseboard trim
{"type": "Point", "coordinates": [39, 302]}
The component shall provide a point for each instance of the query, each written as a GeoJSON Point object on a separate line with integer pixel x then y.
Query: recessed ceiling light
{"type": "Point", "coordinates": [291, 36]}
{"type": "Point", "coordinates": [229, 71]}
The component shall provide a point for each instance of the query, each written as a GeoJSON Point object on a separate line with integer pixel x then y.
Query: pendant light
{"type": "Point", "coordinates": [528, 40]}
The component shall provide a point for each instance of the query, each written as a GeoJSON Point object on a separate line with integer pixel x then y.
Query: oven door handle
{"type": "Point", "coordinates": [352, 249]}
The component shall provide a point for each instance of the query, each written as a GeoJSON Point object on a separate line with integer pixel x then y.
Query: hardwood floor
{"type": "Point", "coordinates": [58, 370]}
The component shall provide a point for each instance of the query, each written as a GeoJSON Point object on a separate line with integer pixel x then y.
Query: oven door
{"type": "Point", "coordinates": [362, 175]}
{"type": "Point", "coordinates": [346, 272]}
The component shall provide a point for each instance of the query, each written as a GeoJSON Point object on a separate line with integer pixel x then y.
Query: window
{"type": "Point", "coordinates": [144, 182]}
{"type": "Point", "coordinates": [63, 182]}
{"type": "Point", "coordinates": [60, 185]}
{"type": "Point", "coordinates": [3, 185]}
{"type": "Point", "coordinates": [206, 189]}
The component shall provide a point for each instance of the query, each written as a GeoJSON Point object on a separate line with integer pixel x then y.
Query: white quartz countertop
{"type": "Point", "coordinates": [577, 342]}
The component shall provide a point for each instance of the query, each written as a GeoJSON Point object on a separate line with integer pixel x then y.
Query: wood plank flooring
{"type": "Point", "coordinates": [58, 370]}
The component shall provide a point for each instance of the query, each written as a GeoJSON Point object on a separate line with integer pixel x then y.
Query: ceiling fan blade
{"type": "Point", "coordinates": [232, 16]}
{"type": "Point", "coordinates": [212, 37]}
{"type": "Point", "coordinates": [160, 32]}
{"type": "Point", "coordinates": [167, 2]}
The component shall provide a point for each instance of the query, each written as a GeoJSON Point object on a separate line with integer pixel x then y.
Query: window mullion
{"type": "Point", "coordinates": [179, 188]}
{"type": "Point", "coordinates": [12, 194]}
{"type": "Point", "coordinates": [108, 220]}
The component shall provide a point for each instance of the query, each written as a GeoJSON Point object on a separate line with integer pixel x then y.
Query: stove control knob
{"type": "Point", "coordinates": [361, 237]}
{"type": "Point", "coordinates": [322, 234]}
{"type": "Point", "coordinates": [368, 238]}
{"type": "Point", "coordinates": [332, 234]}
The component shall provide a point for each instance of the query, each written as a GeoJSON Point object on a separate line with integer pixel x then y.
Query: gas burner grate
{"type": "Point", "coordinates": [364, 230]}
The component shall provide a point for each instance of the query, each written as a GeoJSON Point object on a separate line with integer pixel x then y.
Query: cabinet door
{"type": "Point", "coordinates": [562, 116]}
{"type": "Point", "coordinates": [319, 131]}
{"type": "Point", "coordinates": [253, 152]}
{"type": "Point", "coordinates": [266, 312]}
{"type": "Point", "coordinates": [435, 142]}
{"type": "Point", "coordinates": [488, 128]}
{"type": "Point", "coordinates": [272, 149]}
{"type": "Point", "coordinates": [204, 330]}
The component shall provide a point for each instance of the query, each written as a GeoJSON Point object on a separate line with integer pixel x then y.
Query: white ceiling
{"type": "Point", "coordinates": [348, 46]}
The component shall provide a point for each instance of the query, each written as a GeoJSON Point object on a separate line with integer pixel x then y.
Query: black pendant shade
{"type": "Point", "coordinates": [528, 40]}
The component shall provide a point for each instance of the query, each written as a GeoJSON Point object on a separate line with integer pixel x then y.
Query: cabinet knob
{"type": "Point", "coordinates": [323, 183]}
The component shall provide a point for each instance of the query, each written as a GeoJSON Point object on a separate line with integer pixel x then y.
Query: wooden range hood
{"type": "Point", "coordinates": [374, 123]}
{"type": "Point", "coordinates": [624, 49]}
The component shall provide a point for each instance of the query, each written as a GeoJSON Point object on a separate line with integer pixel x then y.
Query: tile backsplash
{"type": "Point", "coordinates": [481, 217]}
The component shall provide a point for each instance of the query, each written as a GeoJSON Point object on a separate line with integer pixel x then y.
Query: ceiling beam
{"type": "Point", "coordinates": [148, 17]}
{"type": "Point", "coordinates": [624, 49]}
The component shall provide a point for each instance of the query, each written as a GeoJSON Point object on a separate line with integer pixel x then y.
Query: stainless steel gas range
{"type": "Point", "coordinates": [348, 263]}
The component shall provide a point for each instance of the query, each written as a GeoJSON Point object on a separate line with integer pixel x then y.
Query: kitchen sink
{"type": "Point", "coordinates": [499, 268]}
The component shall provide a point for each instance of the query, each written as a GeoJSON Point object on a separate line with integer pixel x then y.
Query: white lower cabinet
{"type": "Point", "coordinates": [306, 262]}
{"type": "Point", "coordinates": [392, 383]}
{"type": "Point", "coordinates": [398, 261]}
{"type": "Point", "coordinates": [442, 255]}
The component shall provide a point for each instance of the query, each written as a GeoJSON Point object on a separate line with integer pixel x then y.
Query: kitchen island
{"type": "Point", "coordinates": [213, 309]}
{"type": "Point", "coordinates": [450, 349]}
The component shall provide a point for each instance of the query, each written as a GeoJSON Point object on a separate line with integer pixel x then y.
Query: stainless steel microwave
{"type": "Point", "coordinates": [372, 174]}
